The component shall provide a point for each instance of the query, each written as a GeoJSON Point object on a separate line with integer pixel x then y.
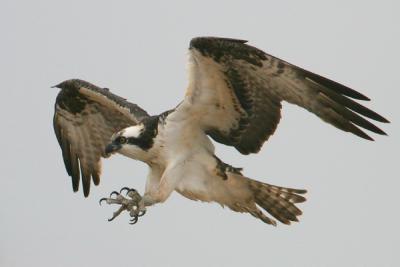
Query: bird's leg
{"type": "Point", "coordinates": [131, 203]}
{"type": "Point", "coordinates": [159, 192]}
{"type": "Point", "coordinates": [161, 183]}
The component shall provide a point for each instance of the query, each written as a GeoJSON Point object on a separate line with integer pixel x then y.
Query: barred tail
{"type": "Point", "coordinates": [277, 201]}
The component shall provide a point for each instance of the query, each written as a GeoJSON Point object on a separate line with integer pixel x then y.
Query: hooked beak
{"type": "Point", "coordinates": [112, 148]}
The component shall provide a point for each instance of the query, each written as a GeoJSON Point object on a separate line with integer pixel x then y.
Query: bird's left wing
{"type": "Point", "coordinates": [235, 93]}
{"type": "Point", "coordinates": [85, 118]}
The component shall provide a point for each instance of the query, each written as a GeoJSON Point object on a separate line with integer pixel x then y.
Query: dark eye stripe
{"type": "Point", "coordinates": [133, 140]}
{"type": "Point", "coordinates": [148, 133]}
{"type": "Point", "coordinates": [144, 143]}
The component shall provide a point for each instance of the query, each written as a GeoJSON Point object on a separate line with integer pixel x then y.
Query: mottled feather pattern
{"type": "Point", "coordinates": [234, 96]}
{"type": "Point", "coordinates": [263, 111]}
{"type": "Point", "coordinates": [85, 118]}
{"type": "Point", "coordinates": [260, 82]}
{"type": "Point", "coordinates": [222, 168]}
{"type": "Point", "coordinates": [277, 201]}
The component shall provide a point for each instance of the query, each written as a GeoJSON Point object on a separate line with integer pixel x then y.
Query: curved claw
{"type": "Point", "coordinates": [131, 190]}
{"type": "Point", "coordinates": [141, 213]}
{"type": "Point", "coordinates": [114, 193]}
{"type": "Point", "coordinates": [124, 188]}
{"type": "Point", "coordinates": [112, 218]}
{"type": "Point", "coordinates": [102, 199]}
{"type": "Point", "coordinates": [134, 220]}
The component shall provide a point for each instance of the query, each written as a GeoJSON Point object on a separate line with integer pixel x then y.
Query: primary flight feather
{"type": "Point", "coordinates": [234, 96]}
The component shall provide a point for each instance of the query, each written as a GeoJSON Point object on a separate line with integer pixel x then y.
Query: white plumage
{"type": "Point", "coordinates": [234, 96]}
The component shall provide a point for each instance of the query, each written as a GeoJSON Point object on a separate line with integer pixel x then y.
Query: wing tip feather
{"type": "Point", "coordinates": [357, 131]}
{"type": "Point", "coordinates": [338, 87]}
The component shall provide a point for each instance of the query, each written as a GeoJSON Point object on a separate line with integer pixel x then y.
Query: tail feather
{"type": "Point", "coordinates": [277, 201]}
{"type": "Point", "coordinates": [258, 214]}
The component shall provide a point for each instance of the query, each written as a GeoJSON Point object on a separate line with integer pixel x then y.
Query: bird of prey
{"type": "Point", "coordinates": [234, 96]}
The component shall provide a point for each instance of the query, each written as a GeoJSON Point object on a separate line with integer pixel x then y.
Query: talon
{"type": "Point", "coordinates": [134, 220]}
{"type": "Point", "coordinates": [102, 199]}
{"type": "Point", "coordinates": [117, 213]}
{"type": "Point", "coordinates": [131, 190]}
{"type": "Point", "coordinates": [114, 193]}
{"type": "Point", "coordinates": [141, 213]}
{"type": "Point", "coordinates": [130, 203]}
{"type": "Point", "coordinates": [124, 188]}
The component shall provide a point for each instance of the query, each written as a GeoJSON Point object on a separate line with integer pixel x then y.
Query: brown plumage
{"type": "Point", "coordinates": [235, 96]}
{"type": "Point", "coordinates": [85, 118]}
{"type": "Point", "coordinates": [277, 201]}
{"type": "Point", "coordinates": [259, 83]}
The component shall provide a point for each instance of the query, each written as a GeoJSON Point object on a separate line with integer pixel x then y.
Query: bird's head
{"type": "Point", "coordinates": [133, 142]}
{"type": "Point", "coordinates": [129, 142]}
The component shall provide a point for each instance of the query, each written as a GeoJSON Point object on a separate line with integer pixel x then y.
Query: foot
{"type": "Point", "coordinates": [132, 203]}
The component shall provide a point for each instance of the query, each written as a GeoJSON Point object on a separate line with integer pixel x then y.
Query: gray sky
{"type": "Point", "coordinates": [139, 51]}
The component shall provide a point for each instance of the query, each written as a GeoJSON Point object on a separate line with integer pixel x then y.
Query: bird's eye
{"type": "Point", "coordinates": [121, 140]}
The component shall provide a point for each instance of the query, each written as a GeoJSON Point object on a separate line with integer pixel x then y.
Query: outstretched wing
{"type": "Point", "coordinates": [85, 118]}
{"type": "Point", "coordinates": [235, 93]}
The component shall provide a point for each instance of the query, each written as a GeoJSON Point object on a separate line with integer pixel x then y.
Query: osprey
{"type": "Point", "coordinates": [234, 96]}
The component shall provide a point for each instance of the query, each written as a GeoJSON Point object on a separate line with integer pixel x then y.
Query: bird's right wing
{"type": "Point", "coordinates": [85, 118]}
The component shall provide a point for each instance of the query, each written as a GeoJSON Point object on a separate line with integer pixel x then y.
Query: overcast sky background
{"type": "Point", "coordinates": [139, 51]}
